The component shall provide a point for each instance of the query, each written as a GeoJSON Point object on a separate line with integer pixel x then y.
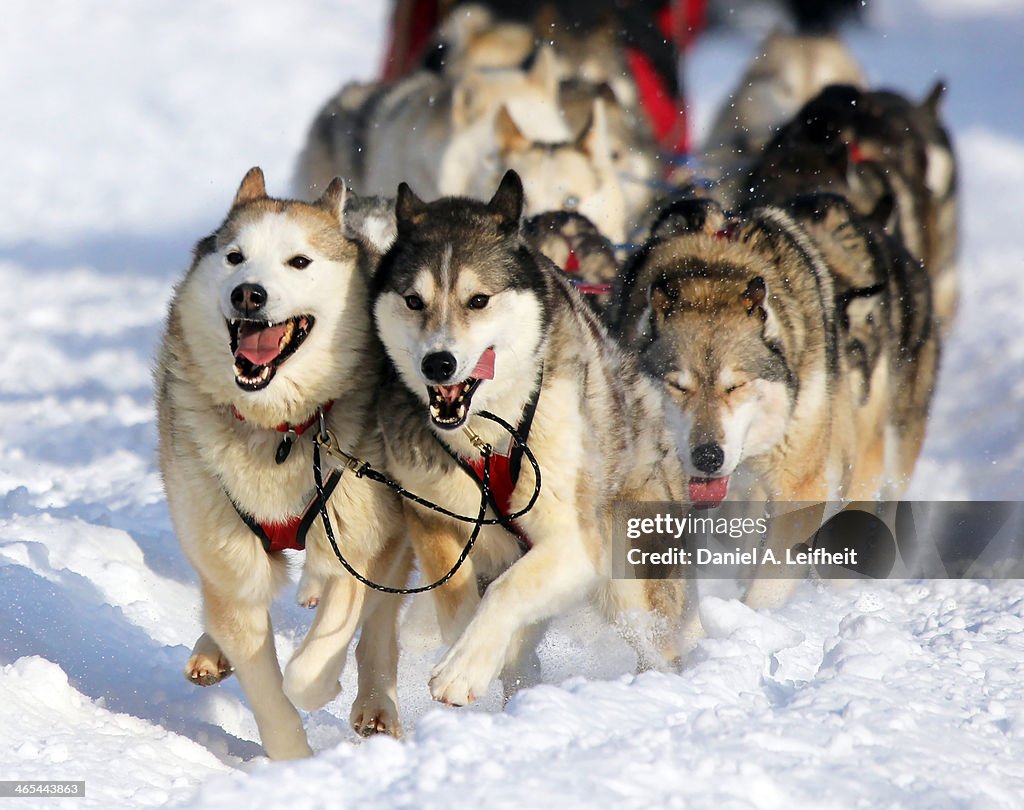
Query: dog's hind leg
{"type": "Point", "coordinates": [242, 631]}
{"type": "Point", "coordinates": [310, 588]}
{"type": "Point", "coordinates": [375, 709]}
{"type": "Point", "coordinates": [207, 665]}
{"type": "Point", "coordinates": [311, 677]}
{"type": "Point", "coordinates": [659, 618]}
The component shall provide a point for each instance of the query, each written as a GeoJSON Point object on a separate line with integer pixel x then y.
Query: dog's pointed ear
{"type": "Point", "coordinates": [663, 296]}
{"type": "Point", "coordinates": [543, 73]}
{"type": "Point", "coordinates": [931, 102]}
{"type": "Point", "coordinates": [507, 133]}
{"type": "Point", "coordinates": [370, 221]}
{"type": "Point", "coordinates": [409, 209]}
{"type": "Point", "coordinates": [253, 187]}
{"type": "Point", "coordinates": [755, 299]}
{"type": "Point", "coordinates": [333, 199]}
{"type": "Point", "coordinates": [506, 206]}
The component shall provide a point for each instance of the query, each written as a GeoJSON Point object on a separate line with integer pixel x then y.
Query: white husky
{"type": "Point", "coordinates": [268, 332]}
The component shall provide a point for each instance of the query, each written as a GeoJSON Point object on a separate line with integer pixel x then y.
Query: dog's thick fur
{"type": "Point", "coordinates": [888, 333]}
{"type": "Point", "coordinates": [867, 145]}
{"type": "Point", "coordinates": [218, 442]}
{"type": "Point", "coordinates": [431, 130]}
{"type": "Point", "coordinates": [787, 71]}
{"type": "Point", "coordinates": [461, 279]}
{"type": "Point", "coordinates": [740, 326]}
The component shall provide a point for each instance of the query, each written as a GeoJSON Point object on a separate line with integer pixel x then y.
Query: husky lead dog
{"type": "Point", "coordinates": [475, 319]}
{"type": "Point", "coordinates": [269, 330]}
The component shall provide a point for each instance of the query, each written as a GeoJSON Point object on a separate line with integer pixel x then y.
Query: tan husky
{"type": "Point", "coordinates": [268, 332]}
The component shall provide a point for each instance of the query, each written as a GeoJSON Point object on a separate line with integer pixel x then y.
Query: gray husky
{"type": "Point", "coordinates": [474, 319]}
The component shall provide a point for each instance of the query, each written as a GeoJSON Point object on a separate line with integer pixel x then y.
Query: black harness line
{"type": "Point", "coordinates": [362, 469]}
{"type": "Point", "coordinates": [329, 531]}
{"type": "Point", "coordinates": [501, 490]}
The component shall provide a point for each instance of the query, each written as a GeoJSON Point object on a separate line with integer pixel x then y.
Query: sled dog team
{"type": "Point", "coordinates": [775, 338]}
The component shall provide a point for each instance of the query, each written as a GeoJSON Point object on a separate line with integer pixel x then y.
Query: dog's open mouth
{"type": "Point", "coordinates": [260, 347]}
{"type": "Point", "coordinates": [449, 404]}
{"type": "Point", "coordinates": [708, 492]}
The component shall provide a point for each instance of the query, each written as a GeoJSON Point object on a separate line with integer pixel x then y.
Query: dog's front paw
{"type": "Point", "coordinates": [207, 665]}
{"type": "Point", "coordinates": [466, 672]}
{"type": "Point", "coordinates": [376, 715]}
{"type": "Point", "coordinates": [305, 690]}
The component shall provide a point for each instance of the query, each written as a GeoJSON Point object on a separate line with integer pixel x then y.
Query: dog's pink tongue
{"type": "Point", "coordinates": [484, 369]}
{"type": "Point", "coordinates": [708, 491]}
{"type": "Point", "coordinates": [259, 345]}
{"type": "Point", "coordinates": [450, 392]}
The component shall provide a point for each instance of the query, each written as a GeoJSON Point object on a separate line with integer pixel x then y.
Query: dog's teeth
{"type": "Point", "coordinates": [286, 337]}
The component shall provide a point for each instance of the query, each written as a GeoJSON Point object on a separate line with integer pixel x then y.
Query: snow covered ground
{"type": "Point", "coordinates": [127, 129]}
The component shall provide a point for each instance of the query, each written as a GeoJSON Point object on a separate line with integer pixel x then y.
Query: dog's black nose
{"type": "Point", "coordinates": [708, 458]}
{"type": "Point", "coordinates": [439, 367]}
{"type": "Point", "coordinates": [248, 298]}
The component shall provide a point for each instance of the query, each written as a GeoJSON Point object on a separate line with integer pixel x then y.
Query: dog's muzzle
{"type": "Point", "coordinates": [449, 404]}
{"type": "Point", "coordinates": [260, 347]}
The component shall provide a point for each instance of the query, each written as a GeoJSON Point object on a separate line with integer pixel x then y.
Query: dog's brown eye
{"type": "Point", "coordinates": [479, 301]}
{"type": "Point", "coordinates": [414, 302]}
{"type": "Point", "coordinates": [682, 389]}
{"type": "Point", "coordinates": [300, 262]}
{"type": "Point", "coordinates": [730, 389]}
{"type": "Point", "coordinates": [235, 257]}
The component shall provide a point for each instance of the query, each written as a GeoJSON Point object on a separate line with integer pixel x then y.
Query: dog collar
{"type": "Point", "coordinates": [292, 431]}
{"type": "Point", "coordinates": [287, 427]}
{"type": "Point", "coordinates": [291, 532]}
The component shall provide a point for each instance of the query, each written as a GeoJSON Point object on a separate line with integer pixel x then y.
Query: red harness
{"type": "Point", "coordinates": [291, 534]}
{"type": "Point", "coordinates": [503, 471]}
{"type": "Point", "coordinates": [502, 486]}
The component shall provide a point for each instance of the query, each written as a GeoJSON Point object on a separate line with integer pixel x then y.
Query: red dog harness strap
{"type": "Point", "coordinates": [292, 533]}
{"type": "Point", "coordinates": [504, 470]}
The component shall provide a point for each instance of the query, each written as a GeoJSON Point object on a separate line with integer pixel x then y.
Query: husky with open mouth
{"type": "Point", "coordinates": [475, 319]}
{"type": "Point", "coordinates": [268, 334]}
